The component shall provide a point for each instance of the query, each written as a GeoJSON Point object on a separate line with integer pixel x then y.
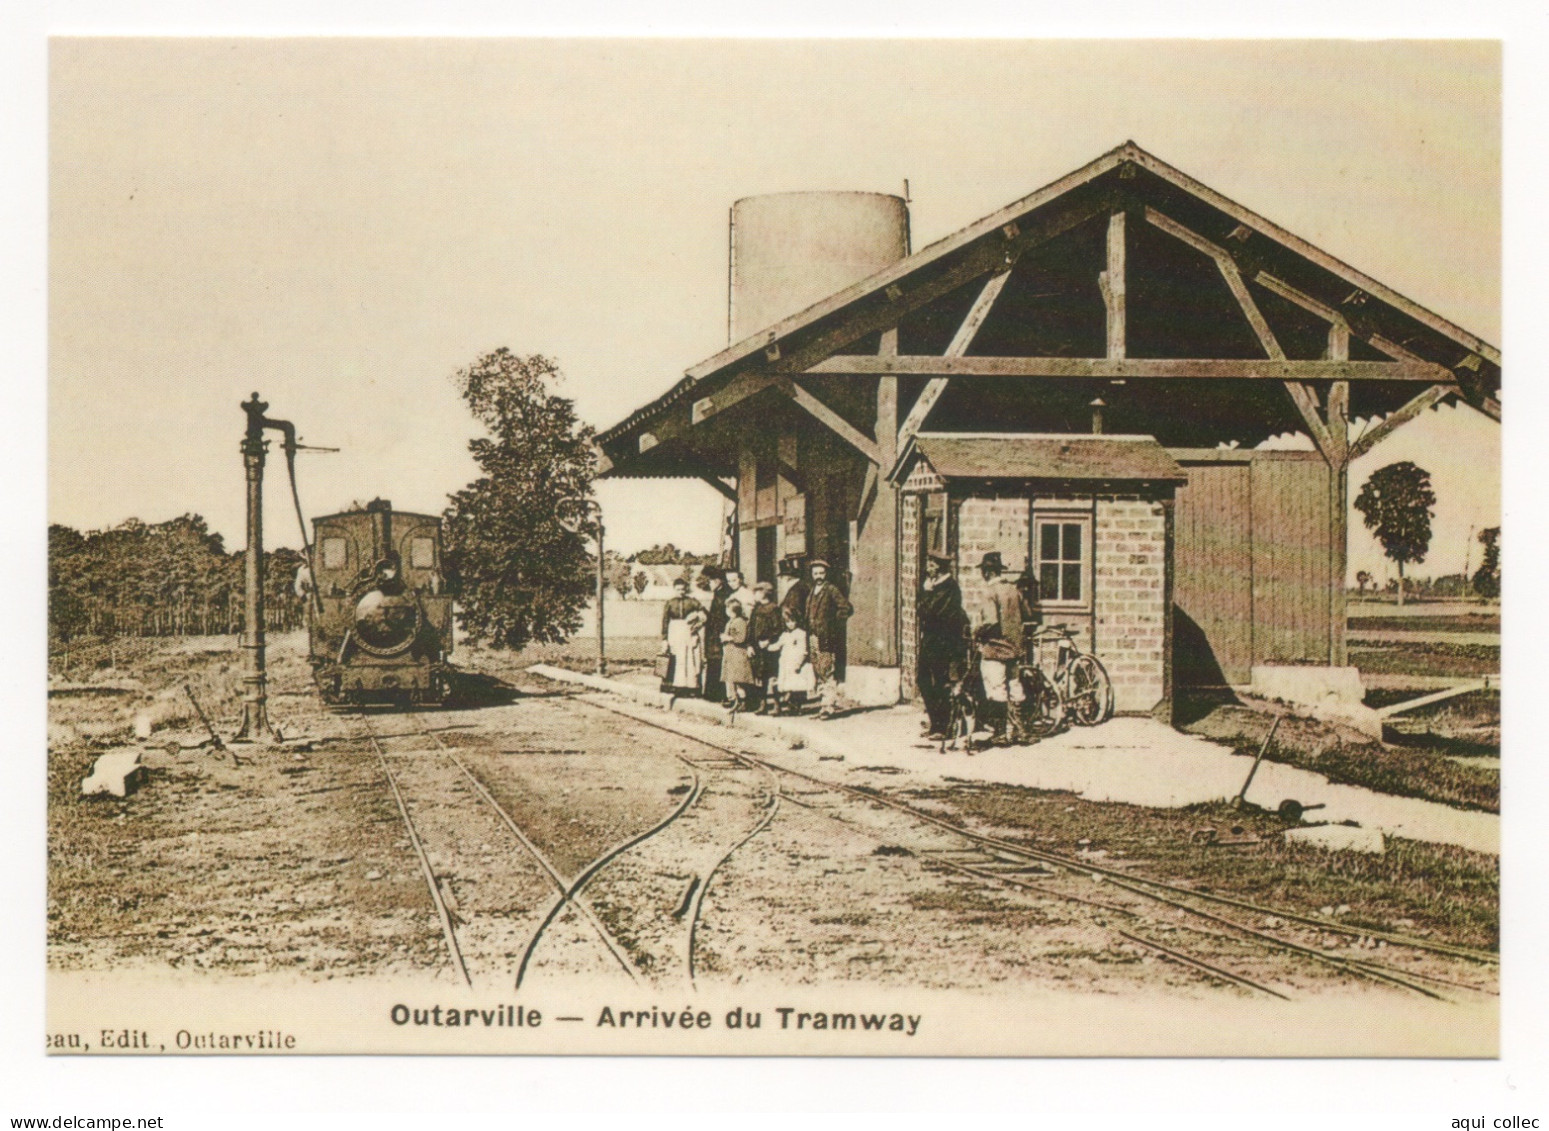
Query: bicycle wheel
{"type": "Point", "coordinates": [1042, 712]}
{"type": "Point", "coordinates": [1090, 695]}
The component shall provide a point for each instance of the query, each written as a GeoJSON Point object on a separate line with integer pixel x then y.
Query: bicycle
{"type": "Point", "coordinates": [1079, 691]}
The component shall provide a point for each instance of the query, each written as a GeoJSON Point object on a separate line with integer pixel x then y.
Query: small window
{"type": "Point", "coordinates": [1061, 560]}
{"type": "Point", "coordinates": [335, 553]}
{"type": "Point", "coordinates": [422, 553]}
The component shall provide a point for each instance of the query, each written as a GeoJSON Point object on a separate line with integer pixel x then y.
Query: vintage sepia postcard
{"type": "Point", "coordinates": [729, 547]}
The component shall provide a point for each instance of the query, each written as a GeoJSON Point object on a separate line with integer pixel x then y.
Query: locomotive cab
{"type": "Point", "coordinates": [381, 627]}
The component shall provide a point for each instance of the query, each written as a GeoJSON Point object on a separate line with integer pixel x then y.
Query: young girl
{"type": "Point", "coordinates": [736, 668]}
{"type": "Point", "coordinates": [795, 674]}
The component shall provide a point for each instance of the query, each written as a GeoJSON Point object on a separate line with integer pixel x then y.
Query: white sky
{"type": "Point", "coordinates": [342, 224]}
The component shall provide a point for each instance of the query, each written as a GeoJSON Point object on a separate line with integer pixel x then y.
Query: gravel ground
{"type": "Point", "coordinates": [298, 861]}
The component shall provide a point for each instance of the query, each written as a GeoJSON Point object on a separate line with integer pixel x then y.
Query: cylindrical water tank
{"type": "Point", "coordinates": [791, 249]}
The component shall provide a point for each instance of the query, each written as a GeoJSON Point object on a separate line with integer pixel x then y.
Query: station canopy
{"type": "Point", "coordinates": [1193, 319]}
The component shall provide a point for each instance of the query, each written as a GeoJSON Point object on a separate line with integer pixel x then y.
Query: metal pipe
{"type": "Point", "coordinates": [255, 711]}
{"type": "Point", "coordinates": [602, 592]}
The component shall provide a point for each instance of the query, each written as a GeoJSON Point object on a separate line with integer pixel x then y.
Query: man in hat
{"type": "Point", "coordinates": [943, 640]}
{"type": "Point", "coordinates": [827, 610]}
{"type": "Point", "coordinates": [794, 586]}
{"type": "Point", "coordinates": [764, 628]}
{"type": "Point", "coordinates": [712, 583]}
{"type": "Point", "coordinates": [998, 630]}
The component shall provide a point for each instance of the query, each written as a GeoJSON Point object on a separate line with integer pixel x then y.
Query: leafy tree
{"type": "Point", "coordinates": [1487, 578]}
{"type": "Point", "coordinates": [619, 578]}
{"type": "Point", "coordinates": [1397, 504]}
{"type": "Point", "coordinates": [1362, 580]}
{"type": "Point", "coordinates": [520, 574]}
{"type": "Point", "coordinates": [659, 555]}
{"type": "Point", "coordinates": [641, 581]}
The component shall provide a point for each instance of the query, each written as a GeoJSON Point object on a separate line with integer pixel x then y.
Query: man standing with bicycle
{"type": "Point", "coordinates": [999, 637]}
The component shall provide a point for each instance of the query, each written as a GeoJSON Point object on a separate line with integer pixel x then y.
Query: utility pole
{"type": "Point", "coordinates": [255, 698]}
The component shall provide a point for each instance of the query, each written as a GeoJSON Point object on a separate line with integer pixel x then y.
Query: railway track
{"type": "Point", "coordinates": [1006, 863]}
{"type": "Point", "coordinates": [568, 892]}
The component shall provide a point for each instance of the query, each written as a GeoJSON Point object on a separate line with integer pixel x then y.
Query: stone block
{"type": "Point", "coordinates": [118, 772]}
{"type": "Point", "coordinates": [1340, 838]}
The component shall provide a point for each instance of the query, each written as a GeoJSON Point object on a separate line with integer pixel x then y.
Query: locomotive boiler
{"type": "Point", "coordinates": [381, 624]}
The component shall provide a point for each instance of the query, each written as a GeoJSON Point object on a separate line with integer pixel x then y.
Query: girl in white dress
{"type": "Point", "coordinates": [795, 673]}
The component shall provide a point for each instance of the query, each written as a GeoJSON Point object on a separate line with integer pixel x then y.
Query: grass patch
{"type": "Point", "coordinates": [1466, 622]}
{"type": "Point", "coordinates": [1435, 658]}
{"type": "Point", "coordinates": [1343, 756]}
{"type": "Point", "coordinates": [1439, 891]}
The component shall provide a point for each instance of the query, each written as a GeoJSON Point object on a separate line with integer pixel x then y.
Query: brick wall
{"type": "Point", "coordinates": [984, 525]}
{"type": "Point", "coordinates": [908, 585]}
{"type": "Point", "coordinates": [1130, 592]}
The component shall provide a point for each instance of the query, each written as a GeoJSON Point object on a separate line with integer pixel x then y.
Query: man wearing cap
{"type": "Point", "coordinates": [827, 610]}
{"type": "Point", "coordinates": [997, 620]}
{"type": "Point", "coordinates": [764, 629]}
{"type": "Point", "coordinates": [943, 640]}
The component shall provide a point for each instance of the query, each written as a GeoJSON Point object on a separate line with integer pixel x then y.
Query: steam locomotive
{"type": "Point", "coordinates": [381, 626]}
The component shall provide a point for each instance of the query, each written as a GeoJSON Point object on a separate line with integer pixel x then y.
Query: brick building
{"type": "Point", "coordinates": [1080, 381]}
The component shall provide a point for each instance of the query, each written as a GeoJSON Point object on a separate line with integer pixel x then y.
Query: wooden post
{"type": "Point", "coordinates": [1113, 287]}
{"type": "Point", "coordinates": [1338, 457]}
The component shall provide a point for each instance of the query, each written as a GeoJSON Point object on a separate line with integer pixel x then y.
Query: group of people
{"type": "Point", "coordinates": [739, 646]}
{"type": "Point", "coordinates": [997, 627]}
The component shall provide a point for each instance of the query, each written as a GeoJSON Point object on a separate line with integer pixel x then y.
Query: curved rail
{"type": "Point", "coordinates": [698, 899]}
{"type": "Point", "coordinates": [1164, 892]}
{"type": "Point", "coordinates": [596, 866]}
{"type": "Point", "coordinates": [537, 854]}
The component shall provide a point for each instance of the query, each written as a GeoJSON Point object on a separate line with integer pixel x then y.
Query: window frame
{"type": "Point", "coordinates": [1060, 517]}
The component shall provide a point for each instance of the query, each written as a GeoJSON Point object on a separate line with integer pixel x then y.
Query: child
{"type": "Point", "coordinates": [795, 674]}
{"type": "Point", "coordinates": [736, 667]}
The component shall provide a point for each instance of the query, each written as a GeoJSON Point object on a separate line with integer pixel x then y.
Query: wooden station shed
{"type": "Point", "coordinates": [1080, 381]}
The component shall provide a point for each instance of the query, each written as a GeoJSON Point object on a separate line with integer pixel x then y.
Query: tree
{"type": "Point", "coordinates": [1362, 580]}
{"type": "Point", "coordinates": [519, 573]}
{"type": "Point", "coordinates": [641, 581]}
{"type": "Point", "coordinates": [1396, 504]}
{"type": "Point", "coordinates": [1487, 578]}
{"type": "Point", "coordinates": [619, 577]}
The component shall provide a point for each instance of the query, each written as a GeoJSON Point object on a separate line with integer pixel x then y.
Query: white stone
{"type": "Point", "coordinates": [1348, 838]}
{"type": "Point", "coordinates": [118, 772]}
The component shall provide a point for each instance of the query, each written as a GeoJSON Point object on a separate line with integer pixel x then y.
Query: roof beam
{"type": "Point", "coordinates": [1228, 268]}
{"type": "Point", "coordinates": [1112, 283]}
{"type": "Point", "coordinates": [1414, 408]}
{"type": "Point", "coordinates": [833, 421]}
{"type": "Point", "coordinates": [882, 310]}
{"type": "Point", "coordinates": [723, 488]}
{"type": "Point", "coordinates": [1098, 368]}
{"type": "Point", "coordinates": [739, 389]}
{"type": "Point", "coordinates": [976, 314]}
{"type": "Point", "coordinates": [957, 348]}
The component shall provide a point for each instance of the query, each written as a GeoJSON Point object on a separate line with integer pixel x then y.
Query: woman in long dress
{"type": "Point", "coordinates": [682, 642]}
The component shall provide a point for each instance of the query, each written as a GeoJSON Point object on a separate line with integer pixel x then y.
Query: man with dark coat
{"type": "Point", "coordinates": [827, 610]}
{"type": "Point", "coordinates": [943, 640]}
{"type": "Point", "coordinates": [795, 586]}
{"type": "Point", "coordinates": [713, 581]}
